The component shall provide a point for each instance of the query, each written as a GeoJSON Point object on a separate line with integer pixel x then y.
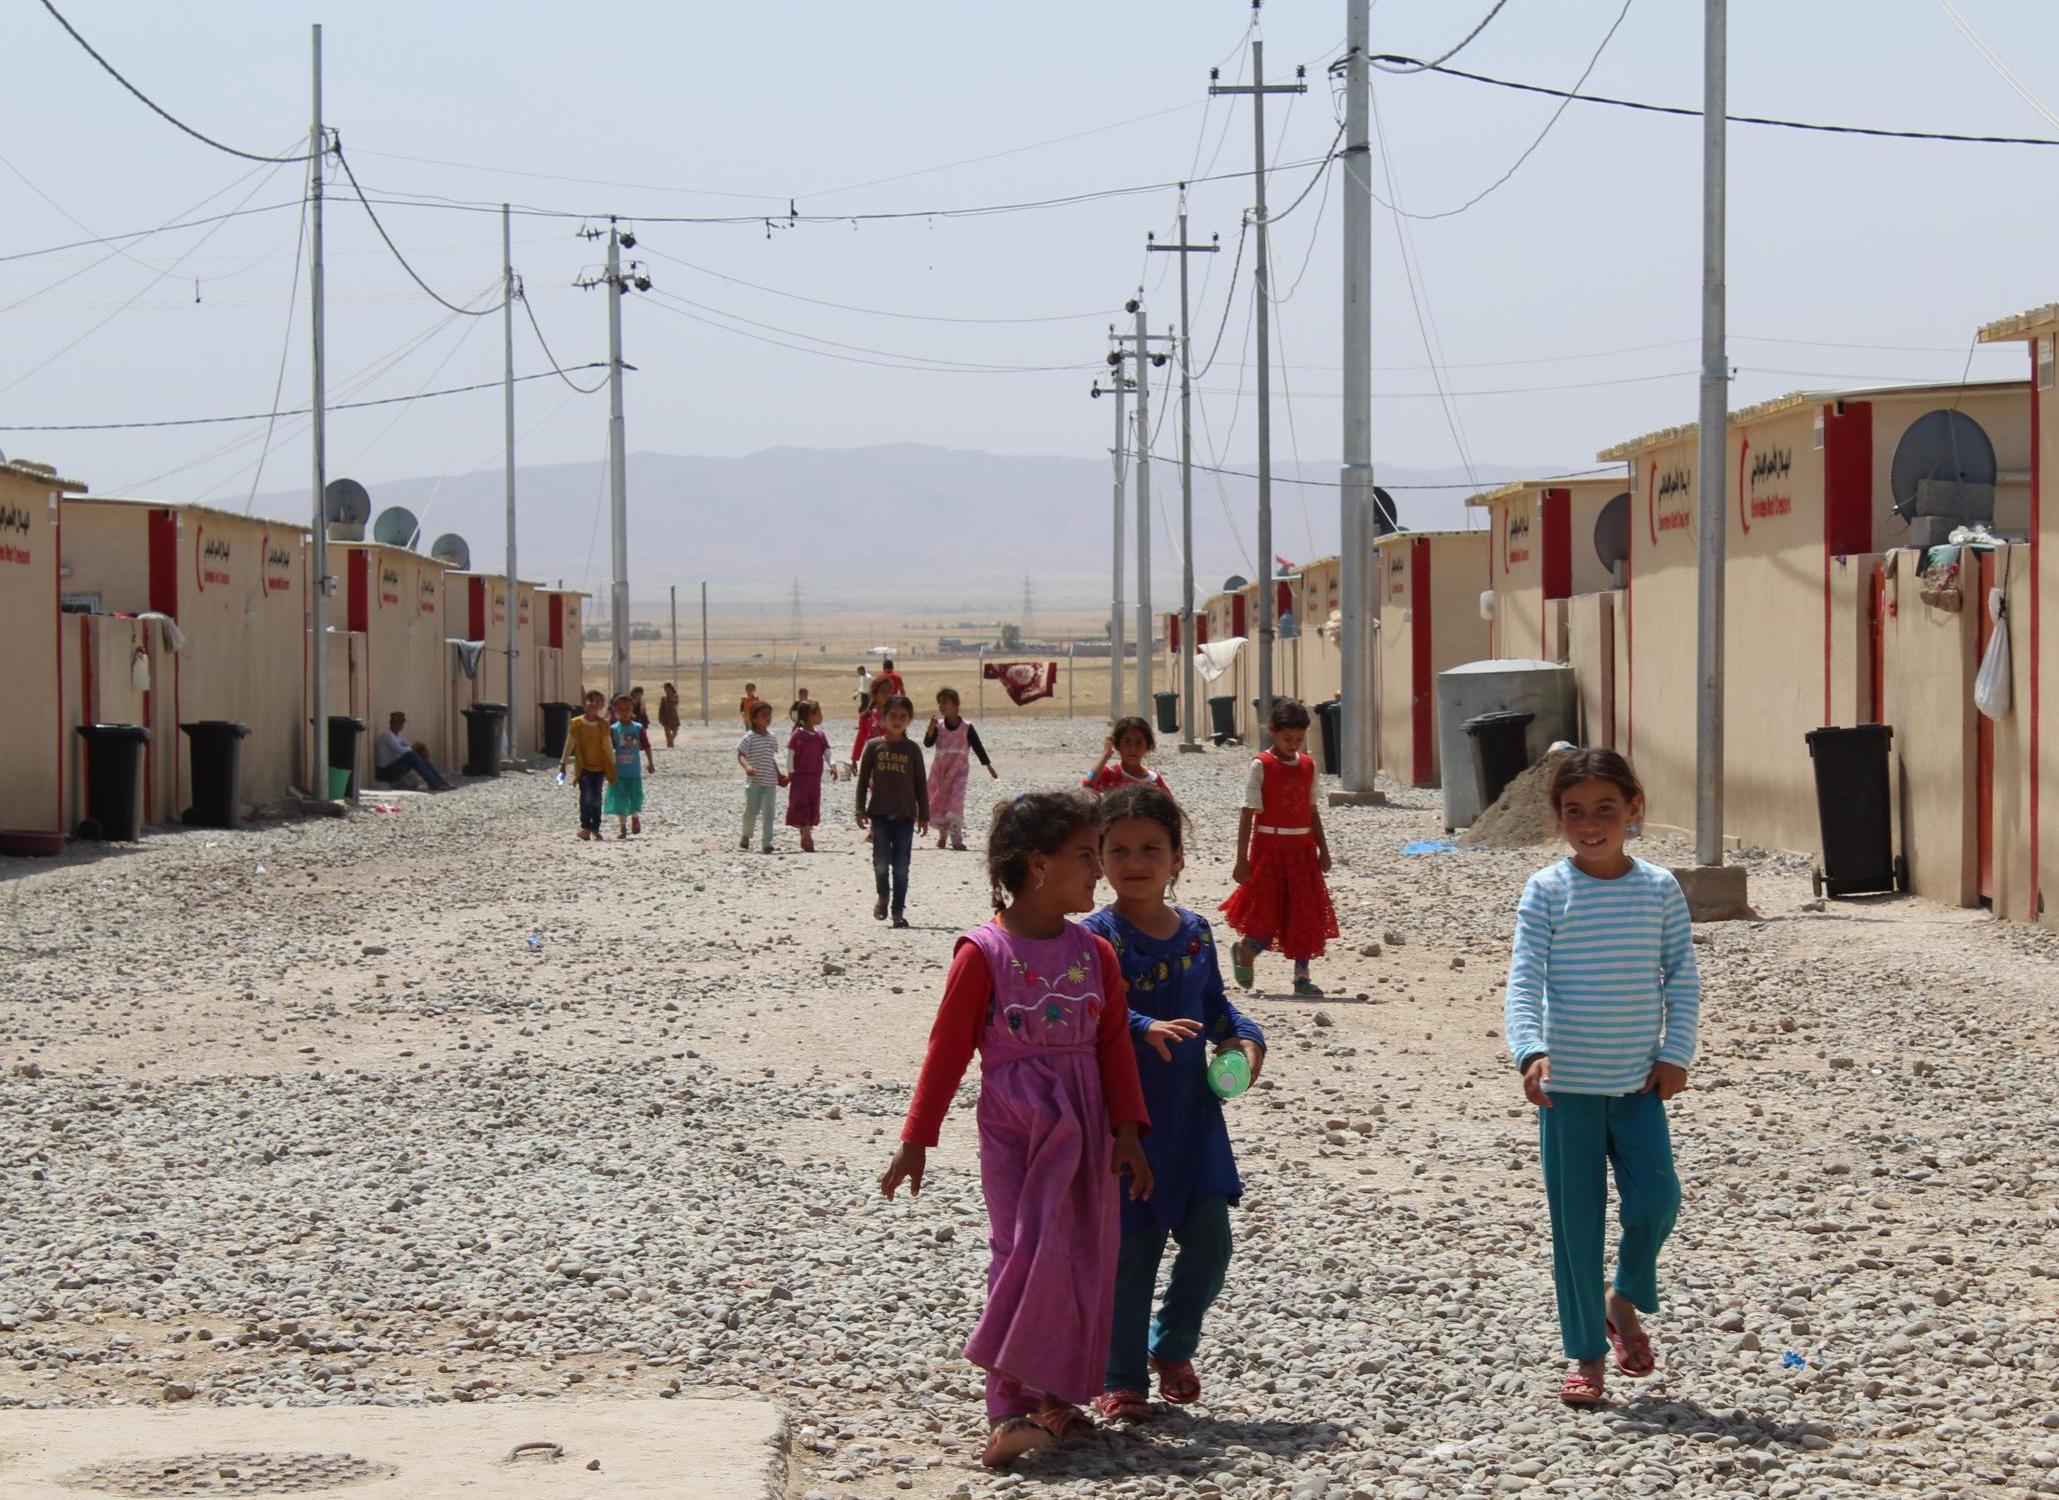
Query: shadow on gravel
{"type": "Point", "coordinates": [1652, 1414]}
{"type": "Point", "coordinates": [1193, 1444]}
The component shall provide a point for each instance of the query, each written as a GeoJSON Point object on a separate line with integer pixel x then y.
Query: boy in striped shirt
{"type": "Point", "coordinates": [758, 753]}
{"type": "Point", "coordinates": [1603, 1001]}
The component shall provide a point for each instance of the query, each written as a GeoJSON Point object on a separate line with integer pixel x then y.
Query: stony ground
{"type": "Point", "coordinates": [441, 1105]}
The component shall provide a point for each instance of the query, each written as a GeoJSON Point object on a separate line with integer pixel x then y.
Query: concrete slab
{"type": "Point", "coordinates": [1715, 893]}
{"type": "Point", "coordinates": [733, 1449]}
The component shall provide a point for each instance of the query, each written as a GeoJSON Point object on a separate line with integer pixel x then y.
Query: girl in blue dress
{"type": "Point", "coordinates": [1179, 1010]}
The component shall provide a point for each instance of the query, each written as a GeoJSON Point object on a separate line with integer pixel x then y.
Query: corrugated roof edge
{"type": "Point", "coordinates": [1793, 400]}
{"type": "Point", "coordinates": [2022, 325]}
{"type": "Point", "coordinates": [23, 468]}
{"type": "Point", "coordinates": [1516, 487]}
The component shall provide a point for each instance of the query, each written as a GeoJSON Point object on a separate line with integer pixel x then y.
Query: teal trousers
{"type": "Point", "coordinates": [1583, 1137]}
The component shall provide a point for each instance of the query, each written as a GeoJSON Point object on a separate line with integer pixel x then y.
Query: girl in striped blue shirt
{"type": "Point", "coordinates": [1603, 1000]}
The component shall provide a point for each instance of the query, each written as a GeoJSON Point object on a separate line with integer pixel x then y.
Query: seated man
{"type": "Point", "coordinates": [394, 757]}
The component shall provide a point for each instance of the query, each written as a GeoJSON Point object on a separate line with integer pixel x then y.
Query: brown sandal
{"type": "Point", "coordinates": [1063, 1420]}
{"type": "Point", "coordinates": [1122, 1406]}
{"type": "Point", "coordinates": [1009, 1440]}
{"type": "Point", "coordinates": [1177, 1381]}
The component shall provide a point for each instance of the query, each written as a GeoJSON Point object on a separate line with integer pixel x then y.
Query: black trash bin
{"type": "Point", "coordinates": [217, 746]}
{"type": "Point", "coordinates": [114, 781]}
{"type": "Point", "coordinates": [1329, 716]}
{"type": "Point", "coordinates": [1500, 754]}
{"type": "Point", "coordinates": [1222, 718]}
{"type": "Point", "coordinates": [482, 738]}
{"type": "Point", "coordinates": [343, 734]}
{"type": "Point", "coordinates": [557, 718]}
{"type": "Point", "coordinates": [1168, 712]}
{"type": "Point", "coordinates": [1853, 810]}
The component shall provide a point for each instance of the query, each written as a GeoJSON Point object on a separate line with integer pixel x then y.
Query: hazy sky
{"type": "Point", "coordinates": [1565, 303]}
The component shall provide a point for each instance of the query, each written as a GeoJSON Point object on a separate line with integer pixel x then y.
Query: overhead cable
{"type": "Point", "coordinates": [556, 368]}
{"type": "Point", "coordinates": [870, 312]}
{"type": "Point", "coordinates": [2001, 69]}
{"type": "Point", "coordinates": [1445, 57]}
{"type": "Point", "coordinates": [159, 109]}
{"type": "Point", "coordinates": [470, 312]}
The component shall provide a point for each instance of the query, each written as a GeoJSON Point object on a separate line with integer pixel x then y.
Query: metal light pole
{"type": "Point", "coordinates": [1120, 454]}
{"type": "Point", "coordinates": [507, 323]}
{"type": "Point", "coordinates": [1714, 441]}
{"type": "Point", "coordinates": [318, 596]}
{"type": "Point", "coordinates": [1360, 771]}
{"type": "Point", "coordinates": [704, 654]}
{"type": "Point", "coordinates": [618, 487]}
{"type": "Point", "coordinates": [1144, 631]}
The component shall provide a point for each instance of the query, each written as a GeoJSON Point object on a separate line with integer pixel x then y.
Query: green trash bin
{"type": "Point", "coordinates": [1168, 712]}
{"type": "Point", "coordinates": [343, 736]}
{"type": "Point", "coordinates": [1222, 718]}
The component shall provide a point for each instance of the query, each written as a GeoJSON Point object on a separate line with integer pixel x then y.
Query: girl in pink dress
{"type": "Point", "coordinates": [807, 751]}
{"type": "Point", "coordinates": [954, 742]}
{"type": "Point", "coordinates": [1041, 1001]}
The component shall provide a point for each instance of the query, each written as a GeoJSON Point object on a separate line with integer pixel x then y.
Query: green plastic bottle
{"type": "Point", "coordinates": [1230, 1074]}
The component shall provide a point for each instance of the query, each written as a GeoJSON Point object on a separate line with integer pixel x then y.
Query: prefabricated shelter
{"type": "Point", "coordinates": [1544, 551]}
{"type": "Point", "coordinates": [1818, 485]}
{"type": "Point", "coordinates": [235, 587]}
{"type": "Point", "coordinates": [394, 597]}
{"type": "Point", "coordinates": [476, 609]}
{"type": "Point", "coordinates": [560, 675]}
{"type": "Point", "coordinates": [33, 748]}
{"type": "Point", "coordinates": [1429, 585]}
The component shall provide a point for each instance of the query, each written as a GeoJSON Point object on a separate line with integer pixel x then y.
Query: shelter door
{"type": "Point", "coordinates": [1984, 739]}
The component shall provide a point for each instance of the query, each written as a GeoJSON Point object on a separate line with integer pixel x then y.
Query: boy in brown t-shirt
{"type": "Point", "coordinates": [591, 749]}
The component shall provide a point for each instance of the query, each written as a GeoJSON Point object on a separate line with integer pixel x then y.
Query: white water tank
{"type": "Point", "coordinates": [1542, 689]}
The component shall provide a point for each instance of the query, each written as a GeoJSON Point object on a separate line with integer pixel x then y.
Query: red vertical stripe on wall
{"type": "Point", "coordinates": [359, 612]}
{"type": "Point", "coordinates": [2037, 769]}
{"type": "Point", "coordinates": [476, 626]}
{"type": "Point", "coordinates": [164, 562]}
{"type": "Point", "coordinates": [1847, 501]}
{"type": "Point", "coordinates": [1172, 634]}
{"type": "Point", "coordinates": [1201, 630]}
{"type": "Point", "coordinates": [1238, 623]}
{"type": "Point", "coordinates": [1558, 544]}
{"type": "Point", "coordinates": [1422, 679]}
{"type": "Point", "coordinates": [557, 622]}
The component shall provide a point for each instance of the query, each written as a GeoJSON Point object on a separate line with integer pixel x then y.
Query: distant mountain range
{"type": "Point", "coordinates": [899, 522]}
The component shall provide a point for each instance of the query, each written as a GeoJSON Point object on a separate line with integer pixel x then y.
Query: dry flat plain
{"type": "Point", "coordinates": [439, 1105]}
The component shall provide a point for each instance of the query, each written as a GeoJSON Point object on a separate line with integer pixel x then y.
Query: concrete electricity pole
{"type": "Point", "coordinates": [1261, 290]}
{"type": "Point", "coordinates": [617, 283]}
{"type": "Point", "coordinates": [1139, 349]}
{"type": "Point", "coordinates": [512, 748]}
{"type": "Point", "coordinates": [1188, 706]}
{"type": "Point", "coordinates": [1119, 383]}
{"type": "Point", "coordinates": [1359, 602]}
{"type": "Point", "coordinates": [1714, 441]}
{"type": "Point", "coordinates": [318, 595]}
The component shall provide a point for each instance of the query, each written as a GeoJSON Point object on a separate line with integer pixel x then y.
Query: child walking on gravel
{"type": "Point", "coordinates": [1282, 856]}
{"type": "Point", "coordinates": [954, 742]}
{"type": "Point", "coordinates": [590, 750]}
{"type": "Point", "coordinates": [1603, 1003]}
{"type": "Point", "coordinates": [1041, 1001]}
{"type": "Point", "coordinates": [893, 802]}
{"type": "Point", "coordinates": [807, 753]}
{"type": "Point", "coordinates": [1129, 741]}
{"type": "Point", "coordinates": [758, 753]}
{"type": "Point", "coordinates": [624, 799]}
{"type": "Point", "coordinates": [1177, 1011]}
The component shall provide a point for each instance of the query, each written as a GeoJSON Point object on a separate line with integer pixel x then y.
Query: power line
{"type": "Point", "coordinates": [1529, 150]}
{"type": "Point", "coordinates": [556, 368]}
{"type": "Point", "coordinates": [1331, 484]}
{"type": "Point", "coordinates": [298, 411]}
{"type": "Point", "coordinates": [285, 349]}
{"type": "Point", "coordinates": [159, 109]}
{"type": "Point", "coordinates": [144, 234]}
{"type": "Point", "coordinates": [1463, 42]}
{"type": "Point", "coordinates": [902, 360]}
{"type": "Point", "coordinates": [871, 312]}
{"type": "Point", "coordinates": [1229, 300]}
{"type": "Point", "coordinates": [1687, 113]}
{"type": "Point", "coordinates": [2001, 69]}
{"type": "Point", "coordinates": [470, 312]}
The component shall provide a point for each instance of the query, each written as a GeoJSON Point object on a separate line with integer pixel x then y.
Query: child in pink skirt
{"type": "Point", "coordinates": [1041, 1001]}
{"type": "Point", "coordinates": [807, 750]}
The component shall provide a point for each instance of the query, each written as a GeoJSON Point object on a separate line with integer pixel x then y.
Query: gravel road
{"type": "Point", "coordinates": [442, 1105]}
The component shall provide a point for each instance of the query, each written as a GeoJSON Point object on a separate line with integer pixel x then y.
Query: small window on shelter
{"type": "Point", "coordinates": [2045, 362]}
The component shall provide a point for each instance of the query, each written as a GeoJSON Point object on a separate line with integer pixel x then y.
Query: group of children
{"type": "Point", "coordinates": [1101, 1124]}
{"type": "Point", "coordinates": [608, 756]}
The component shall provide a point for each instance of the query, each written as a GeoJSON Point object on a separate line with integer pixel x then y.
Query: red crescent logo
{"type": "Point", "coordinates": [199, 568]}
{"type": "Point", "coordinates": [1651, 502]}
{"type": "Point", "coordinates": [1744, 515]}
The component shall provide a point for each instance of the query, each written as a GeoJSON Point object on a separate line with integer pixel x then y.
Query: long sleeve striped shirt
{"type": "Point", "coordinates": [1603, 977]}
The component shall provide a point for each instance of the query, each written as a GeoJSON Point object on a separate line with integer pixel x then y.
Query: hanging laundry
{"type": "Point", "coordinates": [1024, 681]}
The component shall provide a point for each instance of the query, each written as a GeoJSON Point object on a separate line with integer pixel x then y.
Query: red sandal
{"type": "Point", "coordinates": [1063, 1421]}
{"type": "Point", "coordinates": [1177, 1381]}
{"type": "Point", "coordinates": [1008, 1440]}
{"type": "Point", "coordinates": [1633, 1351]}
{"type": "Point", "coordinates": [1122, 1406]}
{"type": "Point", "coordinates": [1581, 1390]}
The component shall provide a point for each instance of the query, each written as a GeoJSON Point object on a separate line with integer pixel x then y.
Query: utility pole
{"type": "Point", "coordinates": [507, 325]}
{"type": "Point", "coordinates": [1261, 284]}
{"type": "Point", "coordinates": [794, 614]}
{"type": "Point", "coordinates": [318, 596]}
{"type": "Point", "coordinates": [1714, 441]}
{"type": "Point", "coordinates": [675, 635]}
{"type": "Point", "coordinates": [704, 653]}
{"type": "Point", "coordinates": [618, 284]}
{"type": "Point", "coordinates": [1029, 612]}
{"type": "Point", "coordinates": [1118, 383]}
{"type": "Point", "coordinates": [1188, 706]}
{"type": "Point", "coordinates": [1144, 631]}
{"type": "Point", "coordinates": [1360, 771]}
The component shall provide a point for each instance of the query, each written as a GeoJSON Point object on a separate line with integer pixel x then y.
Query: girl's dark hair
{"type": "Point", "coordinates": [952, 694]}
{"type": "Point", "coordinates": [1143, 801]}
{"type": "Point", "coordinates": [1288, 713]}
{"type": "Point", "coordinates": [900, 701]}
{"type": "Point", "coordinates": [1035, 823]}
{"type": "Point", "coordinates": [1132, 724]}
{"type": "Point", "coordinates": [799, 712]}
{"type": "Point", "coordinates": [760, 707]}
{"type": "Point", "coordinates": [1594, 765]}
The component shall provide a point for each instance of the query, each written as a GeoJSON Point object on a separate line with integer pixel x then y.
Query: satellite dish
{"type": "Point", "coordinates": [1386, 518]}
{"type": "Point", "coordinates": [396, 527]}
{"type": "Point", "coordinates": [1612, 532]}
{"type": "Point", "coordinates": [1945, 447]}
{"type": "Point", "coordinates": [452, 550]}
{"type": "Point", "coordinates": [1234, 582]}
{"type": "Point", "coordinates": [347, 507]}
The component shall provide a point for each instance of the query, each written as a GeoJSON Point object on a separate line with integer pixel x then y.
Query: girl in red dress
{"type": "Point", "coordinates": [1282, 856]}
